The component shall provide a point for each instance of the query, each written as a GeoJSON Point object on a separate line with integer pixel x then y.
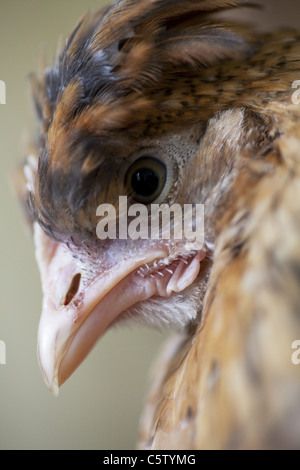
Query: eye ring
{"type": "Point", "coordinates": [145, 179]}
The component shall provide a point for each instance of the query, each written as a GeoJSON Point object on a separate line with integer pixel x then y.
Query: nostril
{"type": "Point", "coordinates": [73, 289]}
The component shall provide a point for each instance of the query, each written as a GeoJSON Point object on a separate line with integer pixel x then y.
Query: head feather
{"type": "Point", "coordinates": [112, 85]}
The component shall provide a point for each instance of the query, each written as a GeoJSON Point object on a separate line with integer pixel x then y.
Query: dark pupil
{"type": "Point", "coordinates": [144, 182]}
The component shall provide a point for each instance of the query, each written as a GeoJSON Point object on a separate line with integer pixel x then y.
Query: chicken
{"type": "Point", "coordinates": [163, 102]}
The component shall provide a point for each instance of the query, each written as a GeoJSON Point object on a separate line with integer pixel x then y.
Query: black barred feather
{"type": "Point", "coordinates": [137, 70]}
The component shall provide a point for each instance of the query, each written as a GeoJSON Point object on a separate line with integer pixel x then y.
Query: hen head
{"type": "Point", "coordinates": [152, 100]}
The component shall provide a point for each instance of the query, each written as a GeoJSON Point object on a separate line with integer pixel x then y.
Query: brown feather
{"type": "Point", "coordinates": [232, 384]}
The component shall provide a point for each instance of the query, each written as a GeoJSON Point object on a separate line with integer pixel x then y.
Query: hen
{"type": "Point", "coordinates": [163, 102]}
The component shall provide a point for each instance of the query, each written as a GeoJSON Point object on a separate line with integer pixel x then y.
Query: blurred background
{"type": "Point", "coordinates": [100, 405]}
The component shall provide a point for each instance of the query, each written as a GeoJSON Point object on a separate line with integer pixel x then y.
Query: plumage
{"type": "Point", "coordinates": [212, 101]}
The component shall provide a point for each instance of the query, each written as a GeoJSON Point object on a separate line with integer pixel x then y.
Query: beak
{"type": "Point", "coordinates": [78, 308]}
{"type": "Point", "coordinates": [77, 312]}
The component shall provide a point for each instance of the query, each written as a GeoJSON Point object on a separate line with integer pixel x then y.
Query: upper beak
{"type": "Point", "coordinates": [76, 312]}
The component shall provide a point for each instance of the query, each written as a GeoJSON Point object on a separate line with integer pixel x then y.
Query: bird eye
{"type": "Point", "coordinates": [145, 179]}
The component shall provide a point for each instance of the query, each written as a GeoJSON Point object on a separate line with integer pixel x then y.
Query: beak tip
{"type": "Point", "coordinates": [54, 388]}
{"type": "Point", "coordinates": [52, 383]}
